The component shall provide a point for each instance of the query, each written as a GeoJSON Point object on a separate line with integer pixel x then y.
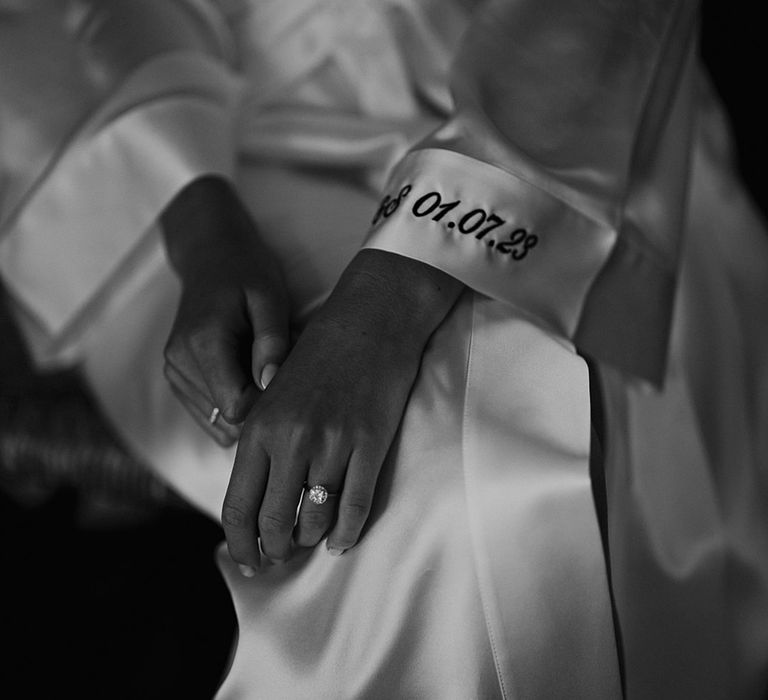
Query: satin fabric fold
{"type": "Point", "coordinates": [118, 145]}
{"type": "Point", "coordinates": [686, 466]}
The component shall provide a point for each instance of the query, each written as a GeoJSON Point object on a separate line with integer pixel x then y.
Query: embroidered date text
{"type": "Point", "coordinates": [481, 225]}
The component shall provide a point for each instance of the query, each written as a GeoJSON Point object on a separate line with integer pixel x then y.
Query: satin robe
{"type": "Point", "coordinates": [586, 126]}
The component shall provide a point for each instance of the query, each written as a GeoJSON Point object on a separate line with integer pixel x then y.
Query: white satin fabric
{"type": "Point", "coordinates": [687, 467]}
{"type": "Point", "coordinates": [481, 574]}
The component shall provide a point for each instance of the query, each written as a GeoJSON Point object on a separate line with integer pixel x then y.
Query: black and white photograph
{"type": "Point", "coordinates": [383, 350]}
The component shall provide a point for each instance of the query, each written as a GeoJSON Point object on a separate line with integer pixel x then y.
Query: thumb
{"type": "Point", "coordinates": [270, 323]}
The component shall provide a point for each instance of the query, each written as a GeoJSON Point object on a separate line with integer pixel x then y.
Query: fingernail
{"type": "Point", "coordinates": [335, 551]}
{"type": "Point", "coordinates": [247, 571]}
{"type": "Point", "coordinates": [268, 374]}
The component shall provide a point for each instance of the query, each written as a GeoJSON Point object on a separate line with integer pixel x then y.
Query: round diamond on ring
{"type": "Point", "coordinates": [318, 494]}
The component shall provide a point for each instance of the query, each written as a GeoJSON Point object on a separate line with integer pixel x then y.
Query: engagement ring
{"type": "Point", "coordinates": [318, 494]}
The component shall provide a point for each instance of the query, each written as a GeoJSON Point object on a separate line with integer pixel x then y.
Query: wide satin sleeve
{"type": "Point", "coordinates": [107, 109]}
{"type": "Point", "coordinates": [559, 182]}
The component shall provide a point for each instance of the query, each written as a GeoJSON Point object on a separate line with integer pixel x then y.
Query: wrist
{"type": "Point", "coordinates": [196, 224]}
{"type": "Point", "coordinates": [397, 297]}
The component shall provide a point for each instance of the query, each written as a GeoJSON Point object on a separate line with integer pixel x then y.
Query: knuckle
{"type": "Point", "coordinates": [271, 332]}
{"type": "Point", "coordinates": [173, 352]}
{"type": "Point", "coordinates": [199, 339]}
{"type": "Point", "coordinates": [181, 398]}
{"type": "Point", "coordinates": [314, 520]}
{"type": "Point", "coordinates": [355, 507]}
{"type": "Point", "coordinates": [332, 434]}
{"type": "Point", "coordinates": [235, 514]}
{"type": "Point", "coordinates": [168, 371]}
{"type": "Point", "coordinates": [271, 523]}
{"type": "Point", "coordinates": [271, 345]}
{"type": "Point", "coordinates": [368, 433]}
{"type": "Point", "coordinates": [230, 409]}
{"type": "Point", "coordinates": [259, 431]}
{"type": "Point", "coordinates": [299, 439]}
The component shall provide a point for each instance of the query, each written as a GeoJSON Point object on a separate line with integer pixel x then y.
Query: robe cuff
{"type": "Point", "coordinates": [494, 231]}
{"type": "Point", "coordinates": [86, 216]}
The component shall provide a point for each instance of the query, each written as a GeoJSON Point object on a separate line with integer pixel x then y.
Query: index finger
{"type": "Point", "coordinates": [245, 491]}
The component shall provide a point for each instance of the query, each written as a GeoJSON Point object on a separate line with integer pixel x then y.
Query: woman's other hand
{"type": "Point", "coordinates": [331, 414]}
{"type": "Point", "coordinates": [231, 329]}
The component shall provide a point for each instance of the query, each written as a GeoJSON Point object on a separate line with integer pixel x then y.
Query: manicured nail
{"type": "Point", "coordinates": [268, 374]}
{"type": "Point", "coordinates": [247, 571]}
{"type": "Point", "coordinates": [335, 551]}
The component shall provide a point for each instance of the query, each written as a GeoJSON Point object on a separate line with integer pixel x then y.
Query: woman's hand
{"type": "Point", "coordinates": [232, 324]}
{"type": "Point", "coordinates": [331, 414]}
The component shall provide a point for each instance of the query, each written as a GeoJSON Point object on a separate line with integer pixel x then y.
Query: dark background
{"type": "Point", "coordinates": [734, 50]}
{"type": "Point", "coordinates": [107, 586]}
